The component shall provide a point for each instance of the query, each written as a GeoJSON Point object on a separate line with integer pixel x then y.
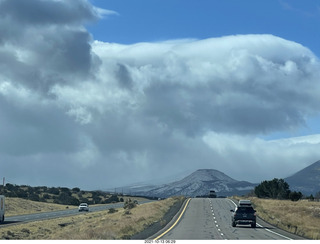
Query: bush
{"type": "Point", "coordinates": [128, 204]}
{"type": "Point", "coordinates": [112, 210]}
{"type": "Point", "coordinates": [34, 197]}
{"type": "Point", "coordinates": [64, 198]}
{"type": "Point", "coordinates": [83, 199]}
{"type": "Point", "coordinates": [96, 199]}
{"type": "Point", "coordinates": [276, 189]}
{"type": "Point", "coordinates": [113, 198]}
{"type": "Point", "coordinates": [22, 194]}
{"type": "Point", "coordinates": [295, 196]}
{"type": "Point", "coordinates": [76, 189]}
{"type": "Point", "coordinates": [46, 196]}
{"type": "Point", "coordinates": [54, 191]}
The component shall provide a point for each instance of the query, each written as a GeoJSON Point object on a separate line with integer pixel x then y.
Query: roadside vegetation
{"type": "Point", "coordinates": [19, 206]}
{"type": "Point", "coordinates": [115, 224]}
{"type": "Point", "coordinates": [299, 217]}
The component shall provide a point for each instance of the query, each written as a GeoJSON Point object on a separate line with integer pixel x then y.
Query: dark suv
{"type": "Point", "coordinates": [244, 215]}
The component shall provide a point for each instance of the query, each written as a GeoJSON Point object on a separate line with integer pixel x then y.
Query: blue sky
{"type": "Point", "coordinates": [107, 93]}
{"type": "Point", "coordinates": [156, 20]}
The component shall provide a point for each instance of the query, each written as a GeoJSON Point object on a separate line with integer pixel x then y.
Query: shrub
{"type": "Point", "coordinates": [276, 189]}
{"type": "Point", "coordinates": [46, 196]}
{"type": "Point", "coordinates": [34, 197]}
{"type": "Point", "coordinates": [54, 191]}
{"type": "Point", "coordinates": [112, 210]}
{"type": "Point", "coordinates": [113, 198]}
{"type": "Point", "coordinates": [76, 189]}
{"type": "Point", "coordinates": [295, 196]}
{"type": "Point", "coordinates": [128, 204]}
{"type": "Point", "coordinates": [64, 198]}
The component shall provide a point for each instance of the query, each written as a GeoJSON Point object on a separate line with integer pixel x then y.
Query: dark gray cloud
{"type": "Point", "coordinates": [44, 42]}
{"type": "Point", "coordinates": [46, 12]}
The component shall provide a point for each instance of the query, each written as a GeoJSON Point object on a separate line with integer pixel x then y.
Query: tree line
{"type": "Point", "coordinates": [277, 189]}
{"type": "Point", "coordinates": [59, 195]}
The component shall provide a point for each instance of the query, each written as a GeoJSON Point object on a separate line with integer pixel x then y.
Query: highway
{"type": "Point", "coordinates": [58, 214]}
{"type": "Point", "coordinates": [210, 218]}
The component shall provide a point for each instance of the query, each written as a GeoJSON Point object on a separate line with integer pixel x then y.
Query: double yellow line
{"type": "Point", "coordinates": [175, 223]}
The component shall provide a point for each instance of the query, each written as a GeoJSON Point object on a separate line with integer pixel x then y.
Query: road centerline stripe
{"type": "Point", "coordinates": [175, 223]}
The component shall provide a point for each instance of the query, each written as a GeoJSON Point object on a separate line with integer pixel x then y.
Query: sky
{"type": "Point", "coordinates": [106, 93]}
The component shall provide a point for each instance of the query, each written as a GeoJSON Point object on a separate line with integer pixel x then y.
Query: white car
{"type": "Point", "coordinates": [83, 207]}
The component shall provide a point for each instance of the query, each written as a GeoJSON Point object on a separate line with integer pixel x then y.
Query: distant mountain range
{"type": "Point", "coordinates": [202, 181]}
{"type": "Point", "coordinates": [198, 183]}
{"type": "Point", "coordinates": [306, 180]}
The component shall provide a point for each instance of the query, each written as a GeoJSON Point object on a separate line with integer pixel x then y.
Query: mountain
{"type": "Point", "coordinates": [198, 183]}
{"type": "Point", "coordinates": [306, 180]}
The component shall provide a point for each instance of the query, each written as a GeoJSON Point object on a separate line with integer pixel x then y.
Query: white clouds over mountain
{"type": "Point", "coordinates": [79, 108]}
{"type": "Point", "coordinates": [240, 84]}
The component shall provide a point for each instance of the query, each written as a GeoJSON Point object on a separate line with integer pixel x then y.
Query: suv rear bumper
{"type": "Point", "coordinates": [244, 221]}
{"type": "Point", "coordinates": [251, 222]}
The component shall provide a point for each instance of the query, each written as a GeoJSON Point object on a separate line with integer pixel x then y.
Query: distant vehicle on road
{"type": "Point", "coordinates": [212, 194]}
{"type": "Point", "coordinates": [244, 215]}
{"type": "Point", "coordinates": [2, 208]}
{"type": "Point", "coordinates": [83, 207]}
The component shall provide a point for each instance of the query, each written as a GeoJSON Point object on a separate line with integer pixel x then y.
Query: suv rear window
{"type": "Point", "coordinates": [245, 210]}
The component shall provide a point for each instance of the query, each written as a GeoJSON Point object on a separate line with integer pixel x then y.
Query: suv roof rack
{"type": "Point", "coordinates": [244, 203]}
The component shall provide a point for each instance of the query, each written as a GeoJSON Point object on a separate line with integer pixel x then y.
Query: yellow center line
{"type": "Point", "coordinates": [175, 223]}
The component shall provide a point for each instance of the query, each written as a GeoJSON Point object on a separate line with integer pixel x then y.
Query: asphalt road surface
{"type": "Point", "coordinates": [210, 218]}
{"type": "Point", "coordinates": [57, 214]}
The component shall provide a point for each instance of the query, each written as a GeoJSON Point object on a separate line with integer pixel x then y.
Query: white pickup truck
{"type": "Point", "coordinates": [2, 208]}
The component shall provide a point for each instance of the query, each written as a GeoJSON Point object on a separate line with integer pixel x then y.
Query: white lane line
{"type": "Point", "coordinates": [274, 232]}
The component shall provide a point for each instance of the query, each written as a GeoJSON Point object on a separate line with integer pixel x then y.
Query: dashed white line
{"type": "Point", "coordinates": [215, 221]}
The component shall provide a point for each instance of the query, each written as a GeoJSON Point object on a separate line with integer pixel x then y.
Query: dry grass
{"type": "Point", "coordinates": [92, 226]}
{"type": "Point", "coordinates": [301, 217]}
{"type": "Point", "coordinates": [19, 206]}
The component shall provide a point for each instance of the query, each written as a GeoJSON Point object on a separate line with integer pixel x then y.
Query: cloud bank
{"type": "Point", "coordinates": [79, 112]}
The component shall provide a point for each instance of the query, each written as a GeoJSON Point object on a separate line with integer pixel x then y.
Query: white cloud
{"type": "Point", "coordinates": [258, 159]}
{"type": "Point", "coordinates": [103, 13]}
{"type": "Point", "coordinates": [241, 84]}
